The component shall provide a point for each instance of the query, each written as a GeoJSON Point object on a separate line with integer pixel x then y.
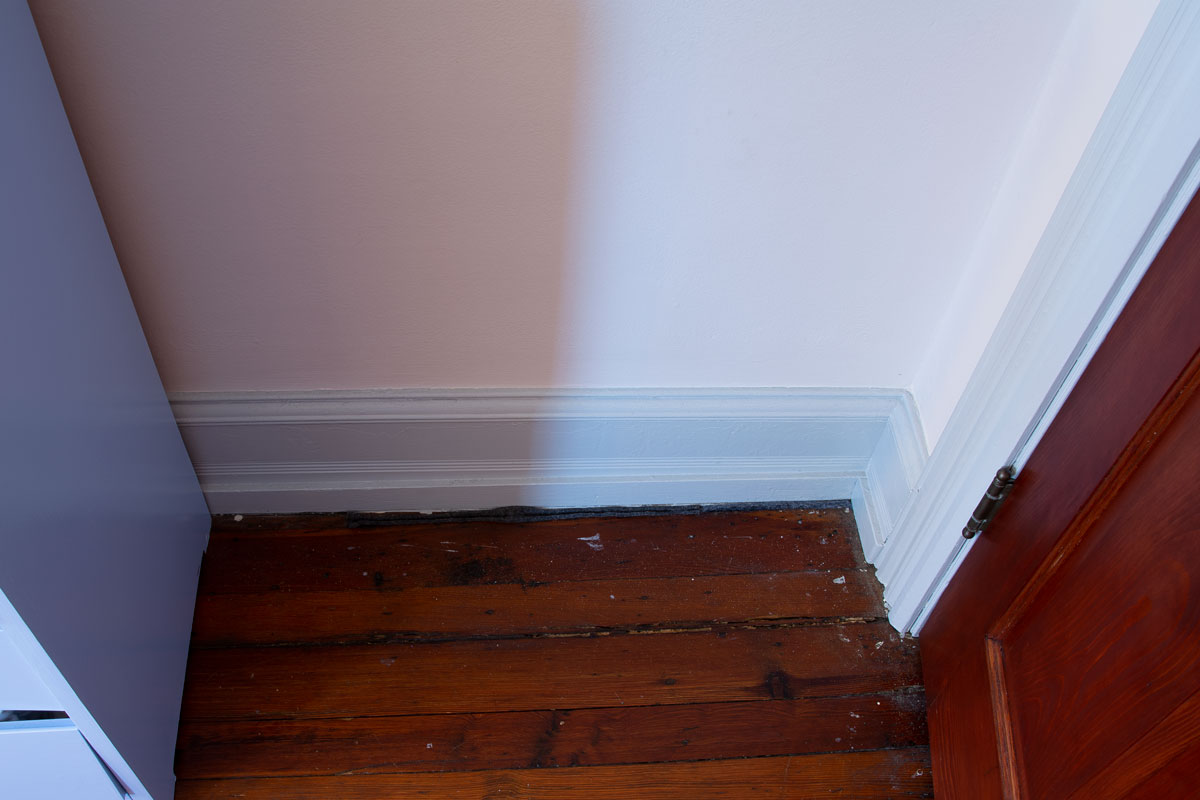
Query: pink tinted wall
{"type": "Point", "coordinates": [316, 194]}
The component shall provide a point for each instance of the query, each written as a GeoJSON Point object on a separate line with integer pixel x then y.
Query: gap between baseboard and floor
{"type": "Point", "coordinates": [445, 450]}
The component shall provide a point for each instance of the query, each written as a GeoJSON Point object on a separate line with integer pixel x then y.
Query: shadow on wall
{"type": "Point", "coordinates": [334, 195]}
{"type": "Point", "coordinates": [330, 195]}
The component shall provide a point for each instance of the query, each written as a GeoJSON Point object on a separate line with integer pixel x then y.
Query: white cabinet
{"type": "Point", "coordinates": [44, 759]}
{"type": "Point", "coordinates": [103, 521]}
{"type": "Point", "coordinates": [20, 686]}
{"type": "Point", "coordinates": [50, 760]}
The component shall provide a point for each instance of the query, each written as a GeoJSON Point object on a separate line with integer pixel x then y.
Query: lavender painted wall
{"type": "Point", "coordinates": [103, 522]}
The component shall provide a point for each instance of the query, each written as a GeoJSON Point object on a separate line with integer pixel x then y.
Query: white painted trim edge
{"type": "Point", "coordinates": [426, 450]}
{"type": "Point", "coordinates": [1132, 178]}
{"type": "Point", "coordinates": [320, 406]}
{"type": "Point", "coordinates": [79, 716]}
{"type": "Point", "coordinates": [891, 476]}
{"type": "Point", "coordinates": [1177, 203]}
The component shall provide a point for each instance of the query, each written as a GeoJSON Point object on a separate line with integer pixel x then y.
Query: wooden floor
{"type": "Point", "coordinates": [720, 654]}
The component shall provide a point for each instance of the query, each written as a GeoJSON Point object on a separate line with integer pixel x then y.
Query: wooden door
{"type": "Point", "coordinates": [1064, 659]}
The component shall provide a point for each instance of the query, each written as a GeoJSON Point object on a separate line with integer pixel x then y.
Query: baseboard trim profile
{"type": "Point", "coordinates": [445, 450]}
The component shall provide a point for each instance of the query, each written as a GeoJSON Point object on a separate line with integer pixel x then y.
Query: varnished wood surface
{"type": "Point", "coordinates": [547, 672]}
{"type": "Point", "coordinates": [1177, 778]}
{"type": "Point", "coordinates": [1110, 646]}
{"type": "Point", "coordinates": [871, 775]}
{"type": "Point", "coordinates": [579, 737]}
{"type": "Point", "coordinates": [426, 612]}
{"type": "Point", "coordinates": [722, 654]}
{"type": "Point", "coordinates": [1118, 413]}
{"type": "Point", "coordinates": [268, 558]}
{"type": "Point", "coordinates": [1171, 748]}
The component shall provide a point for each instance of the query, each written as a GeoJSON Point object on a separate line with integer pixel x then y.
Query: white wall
{"type": "Point", "coordinates": [311, 195]}
{"type": "Point", "coordinates": [1078, 85]}
{"type": "Point", "coordinates": [785, 193]}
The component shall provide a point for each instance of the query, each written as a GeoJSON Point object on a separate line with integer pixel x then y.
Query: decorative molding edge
{"type": "Point", "coordinates": [374, 405]}
{"type": "Point", "coordinates": [427, 450]}
{"type": "Point", "coordinates": [1131, 184]}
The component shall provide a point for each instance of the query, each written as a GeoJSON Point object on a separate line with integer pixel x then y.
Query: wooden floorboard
{"type": "Point", "coordinates": [478, 553]}
{"type": "Point", "coordinates": [579, 737]}
{"type": "Point", "coordinates": [548, 672]}
{"type": "Point", "coordinates": [724, 654]}
{"type": "Point", "coordinates": [424, 612]}
{"type": "Point", "coordinates": [863, 776]}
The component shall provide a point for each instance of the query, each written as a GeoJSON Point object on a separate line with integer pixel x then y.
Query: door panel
{"type": "Point", "coordinates": [1070, 638]}
{"type": "Point", "coordinates": [1176, 778]}
{"type": "Point", "coordinates": [1156, 761]}
{"type": "Point", "coordinates": [1107, 648]}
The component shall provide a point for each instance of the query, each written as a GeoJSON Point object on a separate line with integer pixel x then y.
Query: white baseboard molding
{"type": "Point", "coordinates": [1131, 185]}
{"type": "Point", "coordinates": [437, 450]}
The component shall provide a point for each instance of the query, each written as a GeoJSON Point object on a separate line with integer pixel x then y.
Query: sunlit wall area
{"type": "Point", "coordinates": [794, 194]}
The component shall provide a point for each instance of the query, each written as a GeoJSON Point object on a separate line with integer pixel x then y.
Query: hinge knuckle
{"type": "Point", "coordinates": [989, 504]}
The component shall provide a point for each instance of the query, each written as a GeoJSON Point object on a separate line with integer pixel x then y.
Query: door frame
{"type": "Point", "coordinates": [1137, 174]}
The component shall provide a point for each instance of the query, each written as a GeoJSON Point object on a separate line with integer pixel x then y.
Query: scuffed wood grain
{"type": "Point", "coordinates": [551, 672]}
{"type": "Point", "coordinates": [442, 612]}
{"type": "Point", "coordinates": [863, 776]}
{"type": "Point", "coordinates": [480, 553]}
{"type": "Point", "coordinates": [579, 737]}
